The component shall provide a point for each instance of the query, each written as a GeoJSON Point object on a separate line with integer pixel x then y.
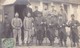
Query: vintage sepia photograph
{"type": "Point", "coordinates": [39, 23]}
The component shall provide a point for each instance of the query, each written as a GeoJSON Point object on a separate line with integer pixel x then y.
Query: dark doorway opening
{"type": "Point", "coordinates": [20, 9]}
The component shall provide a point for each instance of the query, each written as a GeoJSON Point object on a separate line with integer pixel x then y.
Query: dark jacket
{"type": "Point", "coordinates": [74, 26]}
{"type": "Point", "coordinates": [74, 30]}
{"type": "Point", "coordinates": [35, 13]}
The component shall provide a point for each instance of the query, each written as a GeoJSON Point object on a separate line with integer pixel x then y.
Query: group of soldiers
{"type": "Point", "coordinates": [45, 25]}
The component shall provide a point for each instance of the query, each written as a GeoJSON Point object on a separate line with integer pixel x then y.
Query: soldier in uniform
{"type": "Point", "coordinates": [28, 28]}
{"type": "Point", "coordinates": [62, 20]}
{"type": "Point", "coordinates": [49, 31]}
{"type": "Point", "coordinates": [17, 24]}
{"type": "Point", "coordinates": [74, 35]}
{"type": "Point", "coordinates": [46, 20]}
{"type": "Point", "coordinates": [38, 26]}
{"type": "Point", "coordinates": [52, 25]}
{"type": "Point", "coordinates": [40, 32]}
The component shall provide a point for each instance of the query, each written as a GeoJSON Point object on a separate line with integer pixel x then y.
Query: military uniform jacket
{"type": "Point", "coordinates": [74, 26]}
{"type": "Point", "coordinates": [62, 24]}
{"type": "Point", "coordinates": [62, 19]}
{"type": "Point", "coordinates": [38, 23]}
{"type": "Point", "coordinates": [74, 30]}
{"type": "Point", "coordinates": [53, 20]}
{"type": "Point", "coordinates": [35, 13]}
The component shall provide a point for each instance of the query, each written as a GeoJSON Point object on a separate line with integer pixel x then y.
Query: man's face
{"type": "Point", "coordinates": [72, 17]}
{"type": "Point", "coordinates": [28, 14]}
{"type": "Point", "coordinates": [61, 8]}
{"type": "Point", "coordinates": [45, 7]}
{"type": "Point", "coordinates": [16, 15]}
{"type": "Point", "coordinates": [36, 8]}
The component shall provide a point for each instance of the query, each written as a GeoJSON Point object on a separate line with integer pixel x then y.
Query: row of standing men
{"type": "Point", "coordinates": [45, 25]}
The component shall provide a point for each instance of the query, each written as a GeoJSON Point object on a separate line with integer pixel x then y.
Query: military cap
{"type": "Point", "coordinates": [36, 6]}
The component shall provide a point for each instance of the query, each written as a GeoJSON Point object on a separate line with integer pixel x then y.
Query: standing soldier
{"type": "Point", "coordinates": [62, 20]}
{"type": "Point", "coordinates": [52, 25]}
{"type": "Point", "coordinates": [28, 28]}
{"type": "Point", "coordinates": [17, 24]}
{"type": "Point", "coordinates": [40, 31]}
{"type": "Point", "coordinates": [45, 16]}
{"type": "Point", "coordinates": [37, 24]}
{"type": "Point", "coordinates": [73, 24]}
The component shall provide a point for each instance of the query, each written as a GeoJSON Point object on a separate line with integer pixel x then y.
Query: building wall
{"type": "Point", "coordinates": [41, 5]}
{"type": "Point", "coordinates": [78, 11]}
{"type": "Point", "coordinates": [72, 9]}
{"type": "Point", "coordinates": [9, 10]}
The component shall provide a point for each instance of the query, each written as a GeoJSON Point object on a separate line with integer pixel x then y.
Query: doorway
{"type": "Point", "coordinates": [20, 9]}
